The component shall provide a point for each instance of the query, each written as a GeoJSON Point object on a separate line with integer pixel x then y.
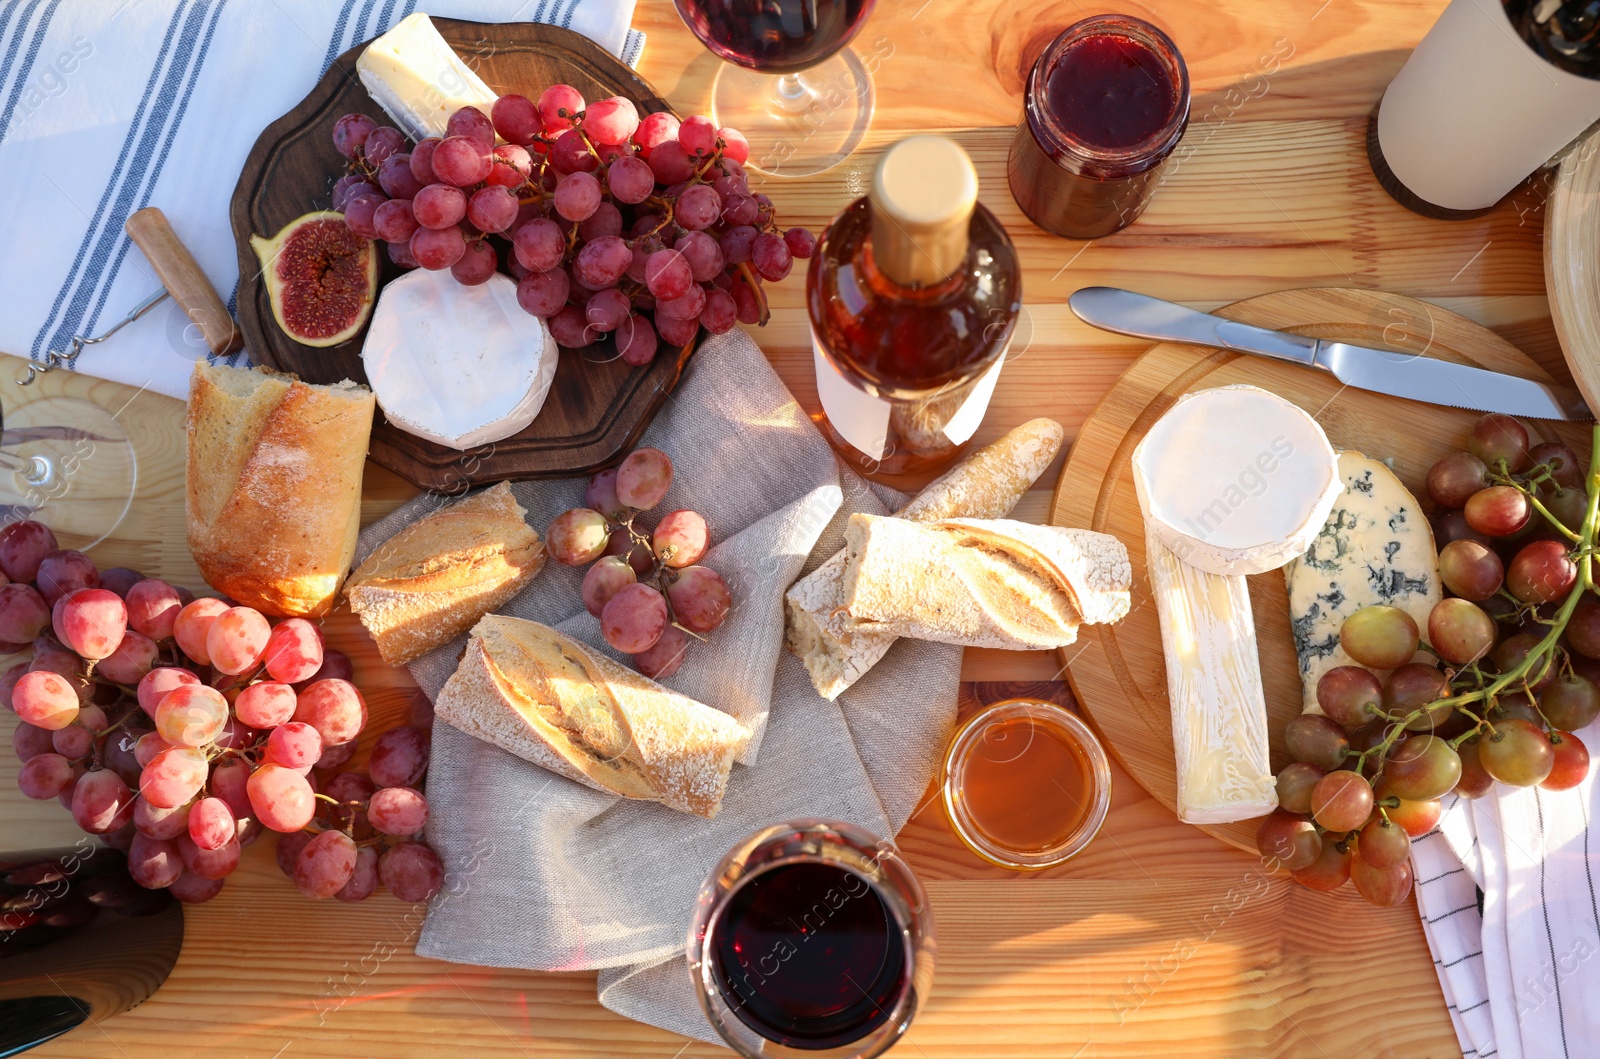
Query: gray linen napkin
{"type": "Point", "coordinates": [545, 873]}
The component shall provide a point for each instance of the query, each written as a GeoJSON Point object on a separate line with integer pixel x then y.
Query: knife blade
{"type": "Point", "coordinates": [1408, 375]}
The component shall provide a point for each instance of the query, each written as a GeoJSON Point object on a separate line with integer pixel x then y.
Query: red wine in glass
{"type": "Point", "coordinates": [800, 96]}
{"type": "Point", "coordinates": [807, 955]}
{"type": "Point", "coordinates": [774, 36]}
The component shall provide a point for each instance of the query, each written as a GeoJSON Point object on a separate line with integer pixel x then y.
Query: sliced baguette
{"type": "Point", "coordinates": [987, 484]}
{"type": "Point", "coordinates": [433, 580]}
{"type": "Point", "coordinates": [551, 700]}
{"type": "Point", "coordinates": [273, 485]}
{"type": "Point", "coordinates": [982, 583]}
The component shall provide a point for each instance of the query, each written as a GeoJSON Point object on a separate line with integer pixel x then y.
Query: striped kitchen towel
{"type": "Point", "coordinates": [106, 108]}
{"type": "Point", "coordinates": [1507, 890]}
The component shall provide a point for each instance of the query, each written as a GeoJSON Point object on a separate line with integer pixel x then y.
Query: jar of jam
{"type": "Point", "coordinates": [1106, 104]}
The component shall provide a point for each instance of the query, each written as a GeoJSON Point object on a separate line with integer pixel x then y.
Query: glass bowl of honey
{"type": "Point", "coordinates": [1026, 784]}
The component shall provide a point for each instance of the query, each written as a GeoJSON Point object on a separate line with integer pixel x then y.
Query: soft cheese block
{"type": "Point", "coordinates": [462, 366]}
{"type": "Point", "coordinates": [1219, 711]}
{"type": "Point", "coordinates": [1376, 547]}
{"type": "Point", "coordinates": [418, 79]}
{"type": "Point", "coordinates": [1236, 480]}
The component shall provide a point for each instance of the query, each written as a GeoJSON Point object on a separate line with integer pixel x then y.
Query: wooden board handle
{"type": "Point", "coordinates": [181, 275]}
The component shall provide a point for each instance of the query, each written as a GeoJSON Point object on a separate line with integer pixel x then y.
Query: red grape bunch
{"type": "Point", "coordinates": [644, 585]}
{"type": "Point", "coordinates": [1517, 640]}
{"type": "Point", "coordinates": [600, 215]}
{"type": "Point", "coordinates": [178, 728]}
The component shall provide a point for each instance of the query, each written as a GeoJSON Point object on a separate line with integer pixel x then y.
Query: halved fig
{"type": "Point", "coordinates": [322, 278]}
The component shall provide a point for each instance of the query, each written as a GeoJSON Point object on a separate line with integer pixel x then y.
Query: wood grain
{"type": "Point", "coordinates": [1119, 670]}
{"type": "Point", "coordinates": [1572, 261]}
{"type": "Point", "coordinates": [597, 406]}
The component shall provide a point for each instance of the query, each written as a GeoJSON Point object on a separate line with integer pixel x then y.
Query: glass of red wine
{"type": "Point", "coordinates": [811, 938]}
{"type": "Point", "coordinates": [790, 84]}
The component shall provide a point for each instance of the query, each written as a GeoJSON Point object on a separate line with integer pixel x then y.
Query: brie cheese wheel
{"type": "Point", "coordinates": [1219, 711]}
{"type": "Point", "coordinates": [462, 366]}
{"type": "Point", "coordinates": [418, 79]}
{"type": "Point", "coordinates": [1236, 480]}
{"type": "Point", "coordinates": [1376, 547]}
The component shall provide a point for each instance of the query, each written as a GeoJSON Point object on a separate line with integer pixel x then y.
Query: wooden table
{"type": "Point", "coordinates": [1158, 938]}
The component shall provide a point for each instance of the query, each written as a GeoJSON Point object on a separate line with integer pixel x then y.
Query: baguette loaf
{"type": "Point", "coordinates": [273, 487]}
{"type": "Point", "coordinates": [986, 484]}
{"type": "Point", "coordinates": [433, 580]}
{"type": "Point", "coordinates": [983, 583]}
{"type": "Point", "coordinates": [550, 700]}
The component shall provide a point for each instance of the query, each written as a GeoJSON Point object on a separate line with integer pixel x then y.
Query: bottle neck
{"type": "Point", "coordinates": [918, 258]}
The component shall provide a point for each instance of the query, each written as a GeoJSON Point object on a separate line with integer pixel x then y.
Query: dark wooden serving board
{"type": "Point", "coordinates": [598, 406]}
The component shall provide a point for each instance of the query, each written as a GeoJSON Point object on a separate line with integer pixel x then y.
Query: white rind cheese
{"type": "Point", "coordinates": [1376, 547]}
{"type": "Point", "coordinates": [462, 366]}
{"type": "Point", "coordinates": [1236, 480]}
{"type": "Point", "coordinates": [1219, 711]}
{"type": "Point", "coordinates": [418, 79]}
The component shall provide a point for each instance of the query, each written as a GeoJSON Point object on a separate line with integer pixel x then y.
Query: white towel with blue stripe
{"type": "Point", "coordinates": [107, 108]}
{"type": "Point", "coordinates": [1507, 890]}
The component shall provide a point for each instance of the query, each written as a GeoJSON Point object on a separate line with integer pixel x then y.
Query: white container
{"type": "Point", "coordinates": [1474, 111]}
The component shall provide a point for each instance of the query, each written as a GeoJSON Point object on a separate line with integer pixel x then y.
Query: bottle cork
{"type": "Point", "coordinates": [923, 193]}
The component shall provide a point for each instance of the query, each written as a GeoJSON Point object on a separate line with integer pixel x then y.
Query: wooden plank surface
{"type": "Point", "coordinates": [1113, 953]}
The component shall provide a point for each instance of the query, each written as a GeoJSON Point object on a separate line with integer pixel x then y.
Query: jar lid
{"type": "Point", "coordinates": [923, 193]}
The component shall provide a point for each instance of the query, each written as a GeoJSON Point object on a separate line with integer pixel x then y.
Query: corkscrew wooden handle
{"type": "Point", "coordinates": [181, 275]}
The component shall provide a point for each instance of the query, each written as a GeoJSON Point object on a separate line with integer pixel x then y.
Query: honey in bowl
{"type": "Point", "coordinates": [1026, 784]}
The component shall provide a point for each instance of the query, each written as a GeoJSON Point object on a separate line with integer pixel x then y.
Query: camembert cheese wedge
{"type": "Point", "coordinates": [1376, 547]}
{"type": "Point", "coordinates": [418, 79]}
{"type": "Point", "coordinates": [1219, 711]}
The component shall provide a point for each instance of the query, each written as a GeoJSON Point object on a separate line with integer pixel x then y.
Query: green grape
{"type": "Point", "coordinates": [1460, 631]}
{"type": "Point", "coordinates": [1383, 843]}
{"type": "Point", "coordinates": [1381, 886]}
{"type": "Point", "coordinates": [1290, 840]}
{"type": "Point", "coordinates": [1341, 801]}
{"type": "Point", "coordinates": [1470, 569]}
{"type": "Point", "coordinates": [1570, 702]}
{"type": "Point", "coordinates": [1475, 780]}
{"type": "Point", "coordinates": [1349, 695]}
{"type": "Point", "coordinates": [1330, 870]}
{"type": "Point", "coordinates": [1517, 753]}
{"type": "Point", "coordinates": [1421, 768]}
{"type": "Point", "coordinates": [1379, 637]}
{"type": "Point", "coordinates": [1315, 739]}
{"type": "Point", "coordinates": [1294, 786]}
{"type": "Point", "coordinates": [1412, 687]}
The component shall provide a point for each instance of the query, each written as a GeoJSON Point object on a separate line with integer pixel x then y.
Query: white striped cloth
{"type": "Point", "coordinates": [109, 107]}
{"type": "Point", "coordinates": [1507, 892]}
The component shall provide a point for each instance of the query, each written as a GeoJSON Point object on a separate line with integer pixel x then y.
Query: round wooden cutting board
{"type": "Point", "coordinates": [1118, 671]}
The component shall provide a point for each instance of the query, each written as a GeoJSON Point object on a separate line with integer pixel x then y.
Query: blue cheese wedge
{"type": "Point", "coordinates": [1376, 547]}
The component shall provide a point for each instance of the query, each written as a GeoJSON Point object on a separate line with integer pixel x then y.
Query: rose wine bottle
{"type": "Point", "coordinates": [1492, 92]}
{"type": "Point", "coordinates": [913, 294]}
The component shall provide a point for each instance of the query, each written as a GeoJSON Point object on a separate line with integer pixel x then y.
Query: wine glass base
{"type": "Point", "coordinates": [798, 124]}
{"type": "Point", "coordinates": [69, 464]}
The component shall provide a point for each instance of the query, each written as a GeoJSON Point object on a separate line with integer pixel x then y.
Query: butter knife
{"type": "Point", "coordinates": [1408, 375]}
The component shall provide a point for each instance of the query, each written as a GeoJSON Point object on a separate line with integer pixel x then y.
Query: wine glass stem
{"type": "Point", "coordinates": [791, 93]}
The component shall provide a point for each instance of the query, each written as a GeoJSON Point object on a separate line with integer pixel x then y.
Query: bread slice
{"type": "Point", "coordinates": [983, 583]}
{"type": "Point", "coordinates": [551, 700]}
{"type": "Point", "coordinates": [433, 580]}
{"type": "Point", "coordinates": [273, 485]}
{"type": "Point", "coordinates": [987, 484]}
